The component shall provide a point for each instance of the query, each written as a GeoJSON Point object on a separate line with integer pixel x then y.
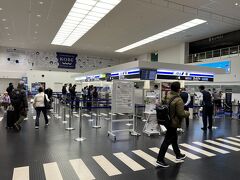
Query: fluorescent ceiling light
{"type": "Point", "coordinates": [81, 18]}
{"type": "Point", "coordinates": [163, 34]}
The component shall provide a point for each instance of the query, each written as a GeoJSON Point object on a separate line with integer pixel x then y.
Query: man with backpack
{"type": "Point", "coordinates": [207, 111]}
{"type": "Point", "coordinates": [175, 115]}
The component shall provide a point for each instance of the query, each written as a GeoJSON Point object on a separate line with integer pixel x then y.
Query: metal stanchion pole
{"type": "Point", "coordinates": [97, 117]}
{"type": "Point", "coordinates": [59, 104]}
{"type": "Point", "coordinates": [70, 128]}
{"type": "Point", "coordinates": [91, 119]}
{"type": "Point", "coordinates": [55, 105]}
{"type": "Point", "coordinates": [134, 132]}
{"type": "Point", "coordinates": [80, 138]}
{"type": "Point", "coordinates": [64, 113]}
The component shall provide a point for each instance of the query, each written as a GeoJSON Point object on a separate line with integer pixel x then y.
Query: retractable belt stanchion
{"type": "Point", "coordinates": [58, 114]}
{"type": "Point", "coordinates": [97, 116]}
{"type": "Point", "coordinates": [64, 113]}
{"type": "Point", "coordinates": [70, 128]}
{"type": "Point", "coordinates": [91, 114]}
{"type": "Point", "coordinates": [80, 138]}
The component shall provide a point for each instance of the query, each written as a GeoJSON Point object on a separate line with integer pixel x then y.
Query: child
{"type": "Point", "coordinates": [6, 100]}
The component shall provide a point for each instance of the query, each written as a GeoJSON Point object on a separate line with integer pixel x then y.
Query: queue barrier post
{"type": "Point", "coordinates": [97, 116]}
{"type": "Point", "coordinates": [70, 128]}
{"type": "Point", "coordinates": [64, 113]}
{"type": "Point", "coordinates": [59, 108]}
{"type": "Point", "coordinates": [91, 118]}
{"type": "Point", "coordinates": [80, 138]}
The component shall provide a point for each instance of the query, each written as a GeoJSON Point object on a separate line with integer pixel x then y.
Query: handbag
{"type": "Point", "coordinates": [46, 103]}
{"type": "Point", "coordinates": [10, 108]}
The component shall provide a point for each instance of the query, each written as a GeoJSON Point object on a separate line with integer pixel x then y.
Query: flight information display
{"type": "Point", "coordinates": [148, 74]}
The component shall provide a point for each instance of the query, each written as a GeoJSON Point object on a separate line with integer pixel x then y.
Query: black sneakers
{"type": "Point", "coordinates": [162, 164]}
{"type": "Point", "coordinates": [181, 157]}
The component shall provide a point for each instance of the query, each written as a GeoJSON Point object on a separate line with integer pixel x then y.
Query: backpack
{"type": "Point", "coordinates": [163, 113]}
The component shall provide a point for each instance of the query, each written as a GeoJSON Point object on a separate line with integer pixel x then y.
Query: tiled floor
{"type": "Point", "coordinates": [52, 154]}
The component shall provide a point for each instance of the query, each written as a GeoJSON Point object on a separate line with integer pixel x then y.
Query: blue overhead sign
{"type": "Point", "coordinates": [226, 65]}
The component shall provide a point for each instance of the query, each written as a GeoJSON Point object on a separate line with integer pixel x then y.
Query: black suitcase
{"type": "Point", "coordinates": [10, 119]}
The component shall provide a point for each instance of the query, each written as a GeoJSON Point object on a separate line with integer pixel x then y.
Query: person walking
{"type": "Point", "coordinates": [39, 105]}
{"type": "Point", "coordinates": [176, 115]}
{"type": "Point", "coordinates": [20, 104]}
{"type": "Point", "coordinates": [186, 100]}
{"type": "Point", "coordinates": [10, 89]}
{"type": "Point", "coordinates": [207, 111]}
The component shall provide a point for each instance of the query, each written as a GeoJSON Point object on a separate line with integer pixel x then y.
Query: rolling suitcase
{"type": "Point", "coordinates": [10, 119]}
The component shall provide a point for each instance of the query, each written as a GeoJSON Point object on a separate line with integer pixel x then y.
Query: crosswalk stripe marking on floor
{"type": "Point", "coordinates": [167, 155]}
{"type": "Point", "coordinates": [145, 156]}
{"type": "Point", "coordinates": [86, 115]}
{"type": "Point", "coordinates": [223, 145]}
{"type": "Point", "coordinates": [129, 162]}
{"type": "Point", "coordinates": [76, 115]}
{"type": "Point", "coordinates": [112, 114]}
{"type": "Point", "coordinates": [94, 114]}
{"type": "Point", "coordinates": [81, 169]}
{"type": "Point", "coordinates": [229, 142]}
{"type": "Point", "coordinates": [103, 114]}
{"type": "Point", "coordinates": [121, 114]}
{"type": "Point", "coordinates": [106, 165]}
{"type": "Point", "coordinates": [1, 118]}
{"type": "Point", "coordinates": [206, 153]}
{"type": "Point", "coordinates": [52, 171]}
{"type": "Point", "coordinates": [211, 148]}
{"type": "Point", "coordinates": [21, 173]}
{"type": "Point", "coordinates": [235, 139]}
{"type": "Point", "coordinates": [188, 154]}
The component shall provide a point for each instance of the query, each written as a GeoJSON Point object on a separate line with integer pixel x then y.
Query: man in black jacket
{"type": "Point", "coordinates": [10, 89]}
{"type": "Point", "coordinates": [20, 104]}
{"type": "Point", "coordinates": [207, 112]}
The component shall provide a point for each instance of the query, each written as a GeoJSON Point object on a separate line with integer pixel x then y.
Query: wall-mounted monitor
{"type": "Point", "coordinates": [148, 74]}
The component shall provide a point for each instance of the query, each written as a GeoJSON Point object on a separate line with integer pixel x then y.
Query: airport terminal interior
{"type": "Point", "coordinates": [119, 89]}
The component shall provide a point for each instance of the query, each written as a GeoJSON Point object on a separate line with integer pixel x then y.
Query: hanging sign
{"type": "Point", "coordinates": [66, 61]}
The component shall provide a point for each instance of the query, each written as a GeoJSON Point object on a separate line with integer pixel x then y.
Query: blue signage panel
{"type": "Point", "coordinates": [226, 65]}
{"type": "Point", "coordinates": [66, 61]}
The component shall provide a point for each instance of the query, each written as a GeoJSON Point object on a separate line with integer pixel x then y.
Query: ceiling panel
{"type": "Point", "coordinates": [130, 21]}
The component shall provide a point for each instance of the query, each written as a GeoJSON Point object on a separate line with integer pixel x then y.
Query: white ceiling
{"type": "Point", "coordinates": [130, 21]}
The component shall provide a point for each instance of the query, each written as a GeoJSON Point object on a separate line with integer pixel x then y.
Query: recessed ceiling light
{"type": "Point", "coordinates": [8, 34]}
{"type": "Point", "coordinates": [38, 15]}
{"type": "Point", "coordinates": [41, 2]}
{"type": "Point", "coordinates": [6, 28]}
{"type": "Point", "coordinates": [3, 19]}
{"type": "Point", "coordinates": [81, 18]}
{"type": "Point", "coordinates": [163, 34]}
{"type": "Point", "coordinates": [1, 9]}
{"type": "Point", "coordinates": [35, 32]}
{"type": "Point", "coordinates": [236, 4]}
